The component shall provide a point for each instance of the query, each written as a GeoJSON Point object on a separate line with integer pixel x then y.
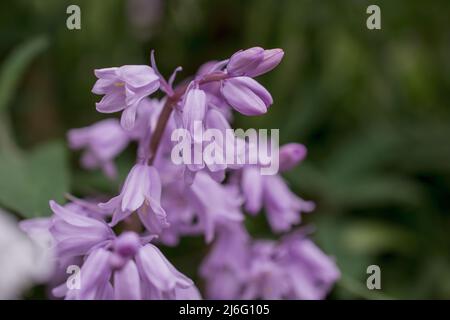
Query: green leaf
{"type": "Point", "coordinates": [10, 74]}
{"type": "Point", "coordinates": [15, 65]}
{"type": "Point", "coordinates": [28, 183]}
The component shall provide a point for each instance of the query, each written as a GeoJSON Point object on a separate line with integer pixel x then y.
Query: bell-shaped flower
{"type": "Point", "coordinates": [94, 281]}
{"type": "Point", "coordinates": [252, 184]}
{"type": "Point", "coordinates": [127, 284]}
{"type": "Point", "coordinates": [180, 214]}
{"type": "Point", "coordinates": [123, 89]}
{"type": "Point", "coordinates": [141, 192]}
{"type": "Point", "coordinates": [311, 272]}
{"type": "Point", "coordinates": [128, 268]}
{"type": "Point", "coordinates": [193, 112]}
{"type": "Point", "coordinates": [216, 204]}
{"type": "Point", "coordinates": [292, 268]}
{"type": "Point", "coordinates": [229, 252]}
{"type": "Point", "coordinates": [283, 207]}
{"type": "Point", "coordinates": [102, 142]}
{"type": "Point", "coordinates": [159, 272]}
{"type": "Point", "coordinates": [75, 234]}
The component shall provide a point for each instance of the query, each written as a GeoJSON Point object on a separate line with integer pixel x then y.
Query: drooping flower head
{"type": "Point", "coordinates": [114, 243]}
{"type": "Point", "coordinates": [127, 266]}
{"type": "Point", "coordinates": [283, 207]}
{"type": "Point", "coordinates": [293, 268]}
{"type": "Point", "coordinates": [141, 193]}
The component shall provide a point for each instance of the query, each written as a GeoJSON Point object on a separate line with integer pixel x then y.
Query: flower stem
{"type": "Point", "coordinates": [172, 100]}
{"type": "Point", "coordinates": [162, 121]}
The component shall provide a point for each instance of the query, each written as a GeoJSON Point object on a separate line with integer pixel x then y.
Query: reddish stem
{"type": "Point", "coordinates": [162, 121]}
{"type": "Point", "coordinates": [172, 100]}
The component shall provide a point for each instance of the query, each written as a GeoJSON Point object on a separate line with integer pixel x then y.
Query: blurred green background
{"type": "Point", "coordinates": [371, 106]}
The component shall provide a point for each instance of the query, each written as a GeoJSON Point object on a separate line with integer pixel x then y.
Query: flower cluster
{"type": "Point", "coordinates": [114, 241]}
{"type": "Point", "coordinates": [241, 268]}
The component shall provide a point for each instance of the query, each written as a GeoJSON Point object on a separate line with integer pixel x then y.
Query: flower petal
{"type": "Point", "coordinates": [252, 187]}
{"type": "Point", "coordinates": [138, 75]}
{"type": "Point", "coordinates": [94, 274]}
{"type": "Point", "coordinates": [194, 109]}
{"type": "Point", "coordinates": [127, 283]}
{"type": "Point", "coordinates": [271, 58]}
{"type": "Point", "coordinates": [128, 117]}
{"type": "Point", "coordinates": [112, 102]}
{"type": "Point", "coordinates": [246, 95]}
{"type": "Point", "coordinates": [245, 61]}
{"type": "Point", "coordinates": [159, 271]}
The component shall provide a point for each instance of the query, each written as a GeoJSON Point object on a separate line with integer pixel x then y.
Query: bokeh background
{"type": "Point", "coordinates": [371, 106]}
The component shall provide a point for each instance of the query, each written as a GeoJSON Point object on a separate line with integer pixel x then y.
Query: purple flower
{"type": "Point", "coordinates": [227, 145]}
{"type": "Point", "coordinates": [142, 274]}
{"type": "Point", "coordinates": [124, 263]}
{"type": "Point", "coordinates": [139, 271]}
{"type": "Point", "coordinates": [283, 207]}
{"type": "Point", "coordinates": [112, 267]}
{"type": "Point", "coordinates": [266, 278]}
{"type": "Point", "coordinates": [271, 59]}
{"type": "Point", "coordinates": [245, 61]}
{"type": "Point", "coordinates": [142, 193]}
{"type": "Point", "coordinates": [102, 141]}
{"type": "Point", "coordinates": [127, 284]}
{"type": "Point", "coordinates": [76, 234]}
{"type": "Point", "coordinates": [293, 268]}
{"type": "Point", "coordinates": [225, 268]}
{"type": "Point", "coordinates": [252, 184]}
{"type": "Point", "coordinates": [190, 293]}
{"type": "Point", "coordinates": [254, 61]}
{"type": "Point", "coordinates": [243, 93]}
{"type": "Point", "coordinates": [311, 271]}
{"type": "Point", "coordinates": [246, 95]}
{"type": "Point", "coordinates": [146, 118]}
{"type": "Point", "coordinates": [95, 274]}
{"type": "Point", "coordinates": [180, 214]}
{"type": "Point", "coordinates": [230, 250]}
{"type": "Point", "coordinates": [215, 204]}
{"type": "Point", "coordinates": [123, 88]}
{"type": "Point", "coordinates": [159, 272]}
{"type": "Point", "coordinates": [230, 82]}
{"type": "Point", "coordinates": [291, 154]}
{"type": "Point", "coordinates": [193, 112]}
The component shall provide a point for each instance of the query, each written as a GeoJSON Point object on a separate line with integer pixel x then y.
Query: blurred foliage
{"type": "Point", "coordinates": [372, 107]}
{"type": "Point", "coordinates": [25, 185]}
